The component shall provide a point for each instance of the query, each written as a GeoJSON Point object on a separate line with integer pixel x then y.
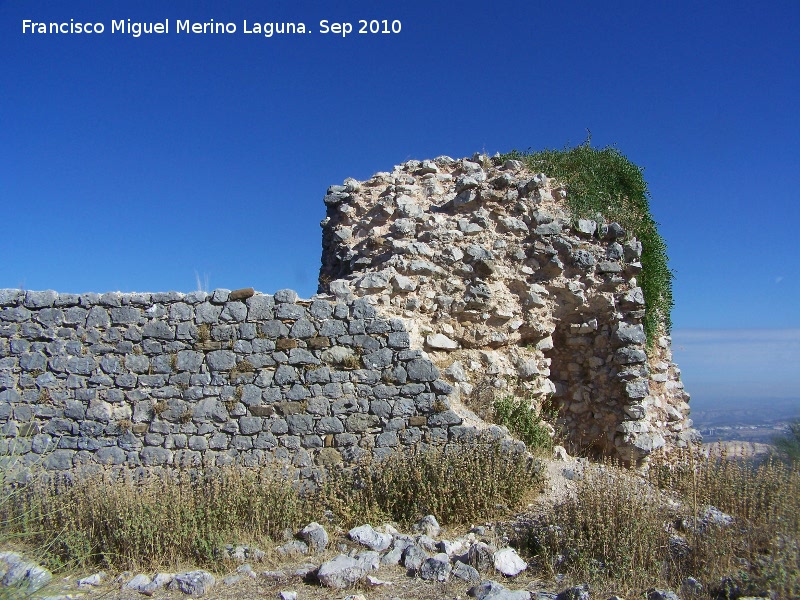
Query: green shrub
{"type": "Point", "coordinates": [789, 444]}
{"type": "Point", "coordinates": [604, 183]}
{"type": "Point", "coordinates": [524, 422]}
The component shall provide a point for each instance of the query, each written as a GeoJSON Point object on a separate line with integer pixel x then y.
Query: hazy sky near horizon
{"type": "Point", "coordinates": [136, 163]}
{"type": "Point", "coordinates": [731, 366]}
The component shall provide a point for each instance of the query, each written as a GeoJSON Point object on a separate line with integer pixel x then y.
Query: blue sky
{"type": "Point", "coordinates": [136, 163]}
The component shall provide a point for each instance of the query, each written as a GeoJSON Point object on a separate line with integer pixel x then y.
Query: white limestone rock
{"type": "Point", "coordinates": [508, 562]}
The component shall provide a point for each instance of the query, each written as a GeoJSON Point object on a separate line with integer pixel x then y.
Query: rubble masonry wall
{"type": "Point", "coordinates": [498, 284]}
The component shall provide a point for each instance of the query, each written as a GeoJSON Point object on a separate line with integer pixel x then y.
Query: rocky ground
{"type": "Point", "coordinates": [375, 563]}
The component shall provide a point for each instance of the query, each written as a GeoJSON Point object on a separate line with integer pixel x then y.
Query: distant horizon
{"type": "Point", "coordinates": [744, 367]}
{"type": "Point", "coordinates": [780, 408]}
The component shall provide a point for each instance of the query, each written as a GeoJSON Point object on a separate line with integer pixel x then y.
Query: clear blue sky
{"type": "Point", "coordinates": [134, 163]}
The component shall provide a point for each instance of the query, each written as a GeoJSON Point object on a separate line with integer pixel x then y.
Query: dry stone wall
{"type": "Point", "coordinates": [198, 379]}
{"type": "Point", "coordinates": [501, 288]}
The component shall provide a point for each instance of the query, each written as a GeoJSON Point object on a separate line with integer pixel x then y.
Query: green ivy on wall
{"type": "Point", "coordinates": [604, 185]}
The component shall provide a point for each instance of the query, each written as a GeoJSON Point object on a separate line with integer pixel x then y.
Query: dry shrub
{"type": "Point", "coordinates": [624, 533]}
{"type": "Point", "coordinates": [128, 522]}
{"type": "Point", "coordinates": [457, 483]}
{"type": "Point", "coordinates": [610, 530]}
{"type": "Point", "coordinates": [760, 551]}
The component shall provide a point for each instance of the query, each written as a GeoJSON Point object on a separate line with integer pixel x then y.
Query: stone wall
{"type": "Point", "coordinates": [503, 289]}
{"type": "Point", "coordinates": [463, 267]}
{"type": "Point", "coordinates": [212, 379]}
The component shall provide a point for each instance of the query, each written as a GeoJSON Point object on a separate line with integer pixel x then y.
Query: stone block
{"type": "Point", "coordinates": [250, 425]}
{"type": "Point", "coordinates": [221, 360]}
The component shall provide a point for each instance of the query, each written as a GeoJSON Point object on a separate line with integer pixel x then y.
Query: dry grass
{"type": "Point", "coordinates": [457, 484]}
{"type": "Point", "coordinates": [624, 533]}
{"type": "Point", "coordinates": [129, 520]}
{"type": "Point", "coordinates": [621, 531]}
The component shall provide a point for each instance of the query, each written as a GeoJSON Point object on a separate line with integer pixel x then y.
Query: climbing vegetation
{"type": "Point", "coordinates": [602, 184]}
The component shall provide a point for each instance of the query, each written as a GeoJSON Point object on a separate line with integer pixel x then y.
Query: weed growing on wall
{"type": "Point", "coordinates": [524, 422]}
{"type": "Point", "coordinates": [604, 183]}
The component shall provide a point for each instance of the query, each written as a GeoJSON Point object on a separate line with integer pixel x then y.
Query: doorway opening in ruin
{"type": "Point", "coordinates": [583, 372]}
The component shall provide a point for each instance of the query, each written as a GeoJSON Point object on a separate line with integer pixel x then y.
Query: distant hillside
{"type": "Point", "coordinates": [756, 421]}
{"type": "Point", "coordinates": [738, 449]}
